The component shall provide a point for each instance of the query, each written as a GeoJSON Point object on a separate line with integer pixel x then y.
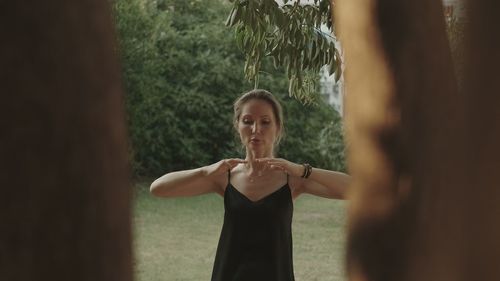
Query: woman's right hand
{"type": "Point", "coordinates": [223, 166]}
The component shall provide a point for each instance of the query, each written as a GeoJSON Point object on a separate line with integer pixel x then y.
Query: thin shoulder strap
{"type": "Point", "coordinates": [228, 176]}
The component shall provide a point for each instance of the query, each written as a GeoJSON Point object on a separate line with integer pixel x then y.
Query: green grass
{"type": "Point", "coordinates": [176, 238]}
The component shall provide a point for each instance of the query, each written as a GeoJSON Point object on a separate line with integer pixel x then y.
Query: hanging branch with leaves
{"type": "Point", "coordinates": [292, 35]}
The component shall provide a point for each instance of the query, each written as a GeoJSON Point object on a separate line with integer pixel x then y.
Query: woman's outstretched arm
{"type": "Point", "coordinates": [325, 183]}
{"type": "Point", "coordinates": [196, 181]}
{"type": "Point", "coordinates": [321, 182]}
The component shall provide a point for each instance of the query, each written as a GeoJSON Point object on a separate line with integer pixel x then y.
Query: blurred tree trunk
{"type": "Point", "coordinates": [480, 256]}
{"type": "Point", "coordinates": [65, 202]}
{"type": "Point", "coordinates": [424, 156]}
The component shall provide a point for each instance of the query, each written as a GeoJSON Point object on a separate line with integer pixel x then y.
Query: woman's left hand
{"type": "Point", "coordinates": [293, 169]}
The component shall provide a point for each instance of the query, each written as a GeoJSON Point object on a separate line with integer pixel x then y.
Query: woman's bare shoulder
{"type": "Point", "coordinates": [223, 180]}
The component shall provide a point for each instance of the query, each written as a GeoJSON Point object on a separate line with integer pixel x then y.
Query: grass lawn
{"type": "Point", "coordinates": [176, 238]}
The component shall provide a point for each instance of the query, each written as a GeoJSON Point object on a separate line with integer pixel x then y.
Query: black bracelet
{"type": "Point", "coordinates": [307, 170]}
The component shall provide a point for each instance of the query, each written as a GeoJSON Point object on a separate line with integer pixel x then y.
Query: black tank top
{"type": "Point", "coordinates": [256, 239]}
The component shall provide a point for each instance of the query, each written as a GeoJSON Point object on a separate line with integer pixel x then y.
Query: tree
{"type": "Point", "coordinates": [293, 35]}
{"type": "Point", "coordinates": [455, 27]}
{"type": "Point", "coordinates": [65, 204]}
{"type": "Point", "coordinates": [421, 202]}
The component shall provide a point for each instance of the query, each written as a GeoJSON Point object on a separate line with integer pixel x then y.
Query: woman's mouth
{"type": "Point", "coordinates": [254, 141]}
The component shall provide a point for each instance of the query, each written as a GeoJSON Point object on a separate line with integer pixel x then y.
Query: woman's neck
{"type": "Point", "coordinates": [254, 169]}
{"type": "Point", "coordinates": [252, 155]}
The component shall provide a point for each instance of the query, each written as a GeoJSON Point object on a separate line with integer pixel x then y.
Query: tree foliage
{"type": "Point", "coordinates": [292, 34]}
{"type": "Point", "coordinates": [182, 71]}
{"type": "Point", "coordinates": [178, 66]}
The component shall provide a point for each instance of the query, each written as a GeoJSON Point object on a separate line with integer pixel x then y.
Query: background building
{"type": "Point", "coordinates": [331, 91]}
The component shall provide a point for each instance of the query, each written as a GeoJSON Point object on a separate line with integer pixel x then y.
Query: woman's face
{"type": "Point", "coordinates": [257, 126]}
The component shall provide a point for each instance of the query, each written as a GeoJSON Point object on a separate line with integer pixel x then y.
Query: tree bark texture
{"type": "Point", "coordinates": [65, 202]}
{"type": "Point", "coordinates": [422, 154]}
{"type": "Point", "coordinates": [480, 255]}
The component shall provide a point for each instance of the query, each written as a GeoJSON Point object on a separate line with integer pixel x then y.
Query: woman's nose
{"type": "Point", "coordinates": [255, 128]}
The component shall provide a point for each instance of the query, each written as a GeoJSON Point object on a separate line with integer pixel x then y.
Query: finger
{"type": "Point", "coordinates": [227, 164]}
{"type": "Point", "coordinates": [276, 163]}
{"type": "Point", "coordinates": [275, 167]}
{"type": "Point", "coordinates": [266, 166]}
{"type": "Point", "coordinates": [235, 161]}
{"type": "Point", "coordinates": [270, 159]}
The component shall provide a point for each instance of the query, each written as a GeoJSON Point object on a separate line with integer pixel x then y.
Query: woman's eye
{"type": "Point", "coordinates": [266, 122]}
{"type": "Point", "coordinates": [247, 121]}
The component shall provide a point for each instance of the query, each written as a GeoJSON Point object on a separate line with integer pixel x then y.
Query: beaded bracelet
{"type": "Point", "coordinates": [307, 170]}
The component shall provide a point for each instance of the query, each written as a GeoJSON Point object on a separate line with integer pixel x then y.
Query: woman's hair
{"type": "Point", "coordinates": [267, 97]}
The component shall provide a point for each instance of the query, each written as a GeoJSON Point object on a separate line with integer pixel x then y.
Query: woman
{"type": "Point", "coordinates": [256, 241]}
